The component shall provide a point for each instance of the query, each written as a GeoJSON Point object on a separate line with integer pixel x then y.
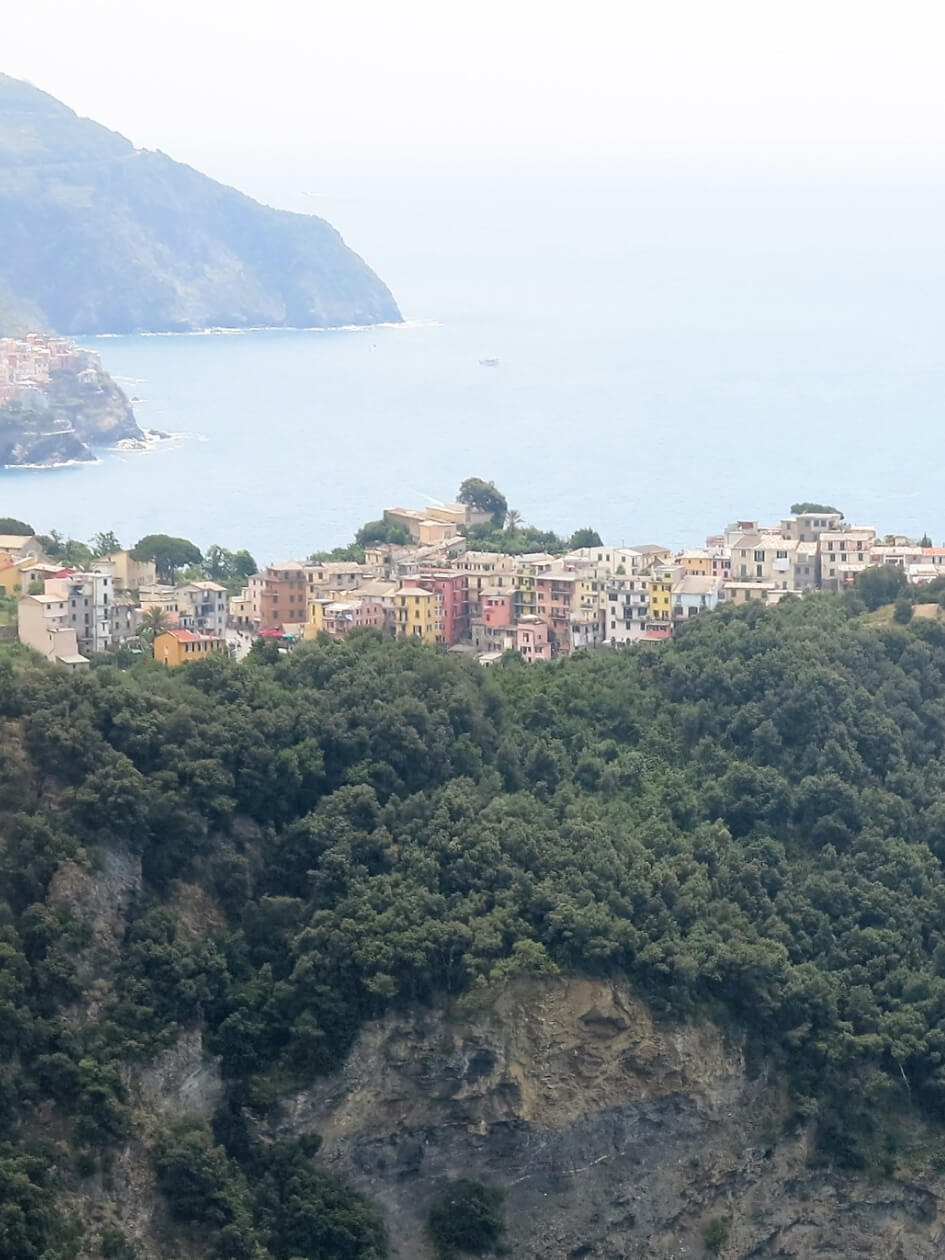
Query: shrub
{"type": "Point", "coordinates": [468, 1217]}
{"type": "Point", "coordinates": [715, 1235]}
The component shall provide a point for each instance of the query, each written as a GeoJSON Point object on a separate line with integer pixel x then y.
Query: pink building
{"type": "Point", "coordinates": [453, 590]}
{"type": "Point", "coordinates": [531, 639]}
{"type": "Point", "coordinates": [498, 609]}
{"type": "Point", "coordinates": [342, 616]}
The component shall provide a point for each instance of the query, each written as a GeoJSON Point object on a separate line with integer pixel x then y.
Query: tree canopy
{"type": "Point", "coordinates": [10, 525]}
{"type": "Point", "coordinates": [484, 497]}
{"type": "Point", "coordinates": [802, 509]}
{"type": "Point", "coordinates": [168, 553]}
{"type": "Point", "coordinates": [586, 537]}
{"type": "Point", "coordinates": [747, 822]}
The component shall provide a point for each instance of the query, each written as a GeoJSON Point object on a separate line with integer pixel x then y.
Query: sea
{"type": "Point", "coordinates": [683, 339]}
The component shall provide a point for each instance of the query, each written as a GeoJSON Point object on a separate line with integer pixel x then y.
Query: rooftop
{"type": "Point", "coordinates": [694, 585]}
{"type": "Point", "coordinates": [188, 636]}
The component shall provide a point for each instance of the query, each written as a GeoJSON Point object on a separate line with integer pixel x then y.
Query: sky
{"type": "Point", "coordinates": [195, 77]}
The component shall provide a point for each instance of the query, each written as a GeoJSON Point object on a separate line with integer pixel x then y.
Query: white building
{"type": "Point", "coordinates": [202, 607]}
{"type": "Point", "coordinates": [89, 599]}
{"type": "Point", "coordinates": [42, 621]}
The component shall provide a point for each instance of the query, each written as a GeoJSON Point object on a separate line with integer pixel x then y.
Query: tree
{"type": "Point", "coordinates": [715, 1235]}
{"type": "Point", "coordinates": [168, 553]}
{"type": "Point", "coordinates": [373, 532]}
{"type": "Point", "coordinates": [217, 563]}
{"type": "Point", "coordinates": [880, 584]}
{"type": "Point", "coordinates": [513, 521]}
{"type": "Point", "coordinates": [802, 509]}
{"type": "Point", "coordinates": [105, 544]}
{"type": "Point", "coordinates": [243, 564]}
{"type": "Point", "coordinates": [10, 525]}
{"type": "Point", "coordinates": [925, 541]}
{"type": "Point", "coordinates": [483, 496]}
{"type": "Point", "coordinates": [75, 554]}
{"type": "Point", "coordinates": [584, 538]}
{"type": "Point", "coordinates": [221, 565]}
{"type": "Point", "coordinates": [468, 1216]}
{"type": "Point", "coordinates": [903, 611]}
{"type": "Point", "coordinates": [154, 621]}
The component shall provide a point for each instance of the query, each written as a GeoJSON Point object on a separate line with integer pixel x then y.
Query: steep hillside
{"type": "Point", "coordinates": [322, 956]}
{"type": "Point", "coordinates": [102, 237]}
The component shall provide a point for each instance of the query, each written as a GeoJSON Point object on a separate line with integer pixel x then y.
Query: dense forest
{"type": "Point", "coordinates": [748, 822]}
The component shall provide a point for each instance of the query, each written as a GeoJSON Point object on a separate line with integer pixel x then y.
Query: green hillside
{"type": "Point", "coordinates": [102, 237]}
{"type": "Point", "coordinates": [747, 822]}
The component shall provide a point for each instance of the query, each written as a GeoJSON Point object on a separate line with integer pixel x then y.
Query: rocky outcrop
{"type": "Point", "coordinates": [81, 413]}
{"type": "Point", "coordinates": [614, 1138]}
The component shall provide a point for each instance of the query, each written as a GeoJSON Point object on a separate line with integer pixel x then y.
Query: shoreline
{"type": "Point", "coordinates": [265, 328]}
{"type": "Point", "coordinates": [152, 439]}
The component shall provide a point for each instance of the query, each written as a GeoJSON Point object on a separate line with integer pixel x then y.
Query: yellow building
{"type": "Point", "coordinates": [695, 563]}
{"type": "Point", "coordinates": [177, 647]}
{"type": "Point", "coordinates": [316, 617]}
{"type": "Point", "coordinates": [660, 592]}
{"type": "Point", "coordinates": [526, 594]}
{"type": "Point", "coordinates": [417, 614]}
{"type": "Point", "coordinates": [130, 574]}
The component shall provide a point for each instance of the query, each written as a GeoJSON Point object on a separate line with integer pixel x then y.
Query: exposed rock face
{"type": "Point", "coordinates": [81, 414]}
{"type": "Point", "coordinates": [102, 237]}
{"type": "Point", "coordinates": [613, 1137]}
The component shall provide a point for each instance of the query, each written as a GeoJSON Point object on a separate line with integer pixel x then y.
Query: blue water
{"type": "Point", "coordinates": [680, 345]}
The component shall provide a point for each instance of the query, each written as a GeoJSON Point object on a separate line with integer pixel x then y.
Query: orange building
{"type": "Point", "coordinates": [177, 647]}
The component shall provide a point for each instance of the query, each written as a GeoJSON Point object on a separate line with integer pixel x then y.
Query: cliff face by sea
{"type": "Point", "coordinates": [80, 415]}
{"type": "Point", "coordinates": [102, 237]}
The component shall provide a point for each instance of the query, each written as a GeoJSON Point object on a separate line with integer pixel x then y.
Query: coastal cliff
{"type": "Point", "coordinates": [613, 1136]}
{"type": "Point", "coordinates": [76, 415]}
{"type": "Point", "coordinates": [102, 237]}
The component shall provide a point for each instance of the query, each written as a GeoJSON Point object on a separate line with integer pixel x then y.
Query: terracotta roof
{"type": "Point", "coordinates": [187, 636]}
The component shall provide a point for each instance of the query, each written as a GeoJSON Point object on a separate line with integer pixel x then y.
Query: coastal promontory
{"type": "Point", "coordinates": [57, 403]}
{"type": "Point", "coordinates": [102, 237]}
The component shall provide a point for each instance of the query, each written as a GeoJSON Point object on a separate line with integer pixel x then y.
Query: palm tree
{"type": "Point", "coordinates": [513, 520]}
{"type": "Point", "coordinates": [154, 621]}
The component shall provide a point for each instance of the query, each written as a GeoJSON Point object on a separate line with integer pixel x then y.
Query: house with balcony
{"type": "Point", "coordinates": [626, 605]}
{"type": "Point", "coordinates": [278, 595]}
{"type": "Point", "coordinates": [89, 600]}
{"type": "Point", "coordinates": [764, 557]}
{"type": "Point", "coordinates": [843, 554]}
{"type": "Point", "coordinates": [418, 614]}
{"type": "Point", "coordinates": [202, 607]}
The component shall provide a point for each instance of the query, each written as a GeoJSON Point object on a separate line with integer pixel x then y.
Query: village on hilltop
{"type": "Point", "coordinates": [28, 363]}
{"type": "Point", "coordinates": [437, 588]}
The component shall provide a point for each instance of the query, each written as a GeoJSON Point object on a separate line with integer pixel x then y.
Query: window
{"type": "Point", "coordinates": [759, 555]}
{"type": "Point", "coordinates": [780, 555]}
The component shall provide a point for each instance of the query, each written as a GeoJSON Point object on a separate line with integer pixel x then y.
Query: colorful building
{"type": "Point", "coordinates": [278, 595]}
{"type": "Point", "coordinates": [660, 598]}
{"type": "Point", "coordinates": [453, 591]}
{"type": "Point", "coordinates": [178, 647]}
{"type": "Point", "coordinates": [417, 614]}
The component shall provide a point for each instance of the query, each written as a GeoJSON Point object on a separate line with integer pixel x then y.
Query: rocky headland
{"type": "Point", "coordinates": [73, 415]}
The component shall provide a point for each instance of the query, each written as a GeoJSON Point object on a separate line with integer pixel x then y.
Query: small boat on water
{"type": "Point", "coordinates": [488, 362]}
